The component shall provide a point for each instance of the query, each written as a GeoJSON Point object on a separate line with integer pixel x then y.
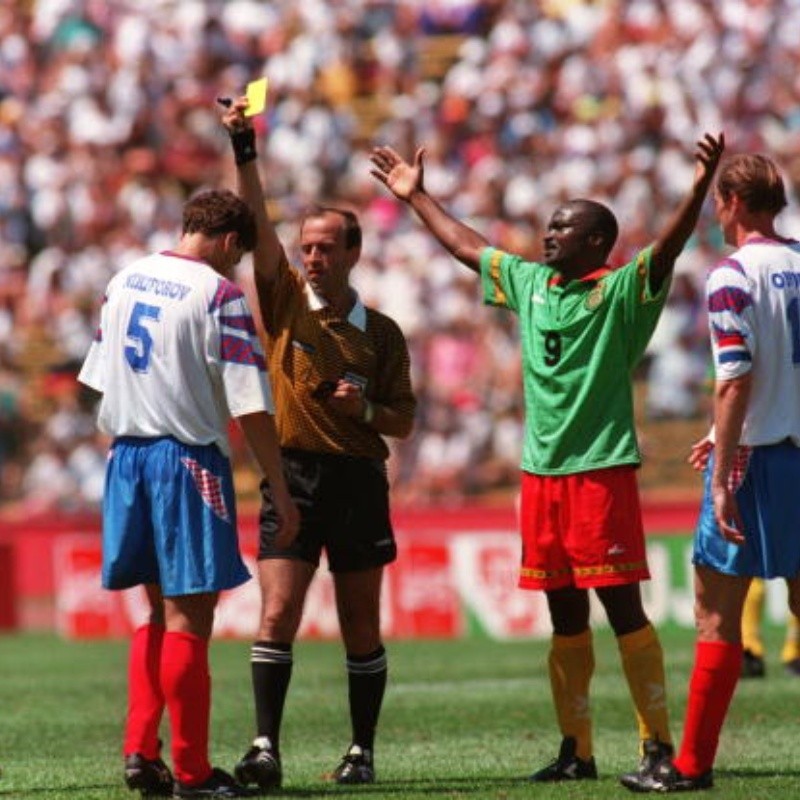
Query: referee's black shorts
{"type": "Point", "coordinates": [344, 507]}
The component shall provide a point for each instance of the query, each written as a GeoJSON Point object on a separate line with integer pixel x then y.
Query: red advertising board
{"type": "Point", "coordinates": [456, 574]}
{"type": "Point", "coordinates": [423, 593]}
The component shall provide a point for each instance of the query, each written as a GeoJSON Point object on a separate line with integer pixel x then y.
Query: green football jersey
{"type": "Point", "coordinates": [581, 340]}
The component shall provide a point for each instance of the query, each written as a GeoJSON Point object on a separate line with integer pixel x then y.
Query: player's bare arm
{"type": "Point", "coordinates": [406, 182]}
{"type": "Point", "coordinates": [268, 253]}
{"type": "Point", "coordinates": [699, 453]}
{"type": "Point", "coordinates": [730, 406]}
{"type": "Point", "coordinates": [678, 229]}
{"type": "Point", "coordinates": [262, 437]}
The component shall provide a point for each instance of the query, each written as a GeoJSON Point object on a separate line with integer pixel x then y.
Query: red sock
{"type": "Point", "coordinates": [186, 682]}
{"type": "Point", "coordinates": [716, 672]}
{"type": "Point", "coordinates": [145, 699]}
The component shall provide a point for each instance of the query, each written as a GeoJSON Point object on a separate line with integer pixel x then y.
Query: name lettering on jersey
{"type": "Point", "coordinates": [162, 288]}
{"type": "Point", "coordinates": [785, 280]}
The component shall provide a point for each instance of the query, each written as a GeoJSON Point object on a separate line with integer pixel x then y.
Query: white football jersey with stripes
{"type": "Point", "coordinates": [176, 353]}
{"type": "Point", "coordinates": [754, 317]}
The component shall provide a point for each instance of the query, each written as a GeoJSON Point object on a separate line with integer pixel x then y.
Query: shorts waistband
{"type": "Point", "coordinates": [314, 457]}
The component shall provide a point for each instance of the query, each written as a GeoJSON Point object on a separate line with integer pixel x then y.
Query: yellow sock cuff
{"type": "Point", "coordinates": [638, 640]}
{"type": "Point", "coordinates": [572, 642]}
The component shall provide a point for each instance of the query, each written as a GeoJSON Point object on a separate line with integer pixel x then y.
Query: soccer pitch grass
{"type": "Point", "coordinates": [462, 719]}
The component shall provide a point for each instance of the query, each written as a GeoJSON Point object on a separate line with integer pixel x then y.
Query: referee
{"type": "Point", "coordinates": [341, 381]}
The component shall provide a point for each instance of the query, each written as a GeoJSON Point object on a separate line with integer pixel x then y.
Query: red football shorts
{"type": "Point", "coordinates": [582, 530]}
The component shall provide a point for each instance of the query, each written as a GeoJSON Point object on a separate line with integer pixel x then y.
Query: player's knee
{"type": "Point", "coordinates": [279, 622]}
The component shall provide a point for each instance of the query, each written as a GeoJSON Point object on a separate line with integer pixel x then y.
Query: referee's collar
{"type": "Point", "coordinates": [357, 315]}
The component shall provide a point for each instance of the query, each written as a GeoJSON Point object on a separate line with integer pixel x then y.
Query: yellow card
{"type": "Point", "coordinates": [256, 97]}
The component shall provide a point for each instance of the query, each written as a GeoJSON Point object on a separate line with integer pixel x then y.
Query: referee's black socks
{"type": "Point", "coordinates": [271, 669]}
{"type": "Point", "coordinates": [366, 676]}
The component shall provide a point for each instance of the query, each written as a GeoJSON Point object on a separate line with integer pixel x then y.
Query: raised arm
{"type": "Point", "coordinates": [678, 229]}
{"type": "Point", "coordinates": [268, 253]}
{"type": "Point", "coordinates": [406, 182]}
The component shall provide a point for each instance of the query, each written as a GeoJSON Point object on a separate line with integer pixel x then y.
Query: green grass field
{"type": "Point", "coordinates": [467, 718]}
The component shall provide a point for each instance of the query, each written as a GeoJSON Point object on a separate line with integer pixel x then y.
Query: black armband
{"type": "Point", "coordinates": [244, 146]}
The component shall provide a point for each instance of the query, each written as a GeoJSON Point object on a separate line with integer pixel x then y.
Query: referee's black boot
{"type": "Point", "coordinates": [260, 765]}
{"type": "Point", "coordinates": [355, 767]}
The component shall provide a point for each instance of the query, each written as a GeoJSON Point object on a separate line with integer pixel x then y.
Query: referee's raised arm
{"type": "Point", "coordinates": [268, 254]}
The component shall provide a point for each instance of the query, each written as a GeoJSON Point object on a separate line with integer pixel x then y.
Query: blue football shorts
{"type": "Point", "coordinates": [768, 504]}
{"type": "Point", "coordinates": [169, 518]}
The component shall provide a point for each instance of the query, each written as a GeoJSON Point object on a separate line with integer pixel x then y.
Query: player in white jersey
{"type": "Point", "coordinates": [754, 313]}
{"type": "Point", "coordinates": [750, 519]}
{"type": "Point", "coordinates": [175, 357]}
{"type": "Point", "coordinates": [180, 313]}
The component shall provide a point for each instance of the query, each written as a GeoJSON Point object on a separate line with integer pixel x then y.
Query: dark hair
{"type": "Point", "coordinates": [599, 219]}
{"type": "Point", "coordinates": [351, 227]}
{"type": "Point", "coordinates": [754, 179]}
{"type": "Point", "coordinates": [219, 211]}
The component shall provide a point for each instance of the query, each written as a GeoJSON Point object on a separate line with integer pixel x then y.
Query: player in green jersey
{"type": "Point", "coordinates": [583, 328]}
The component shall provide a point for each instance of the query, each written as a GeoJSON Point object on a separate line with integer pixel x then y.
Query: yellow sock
{"type": "Point", "coordinates": [571, 664]}
{"type": "Point", "coordinates": [752, 613]}
{"type": "Point", "coordinates": [643, 664]}
{"type": "Point", "coordinates": [791, 644]}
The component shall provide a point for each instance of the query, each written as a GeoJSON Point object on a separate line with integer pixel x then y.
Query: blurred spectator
{"type": "Point", "coordinates": [107, 123]}
{"type": "Point", "coordinates": [678, 354]}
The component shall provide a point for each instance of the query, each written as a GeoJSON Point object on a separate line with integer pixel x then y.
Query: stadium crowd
{"type": "Point", "coordinates": [107, 123]}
